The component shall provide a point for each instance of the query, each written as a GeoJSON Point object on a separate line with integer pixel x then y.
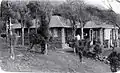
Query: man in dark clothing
{"type": "Point", "coordinates": [79, 45]}
{"type": "Point", "coordinates": [80, 55]}
{"type": "Point", "coordinates": [113, 61]}
{"type": "Point", "coordinates": [113, 64]}
{"type": "Point", "coordinates": [43, 47]}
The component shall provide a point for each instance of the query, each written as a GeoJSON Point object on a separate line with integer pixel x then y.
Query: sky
{"type": "Point", "coordinates": [101, 3]}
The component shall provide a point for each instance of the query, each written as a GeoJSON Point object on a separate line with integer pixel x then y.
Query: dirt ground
{"type": "Point", "coordinates": [55, 61]}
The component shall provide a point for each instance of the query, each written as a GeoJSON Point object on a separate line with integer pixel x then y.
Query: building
{"type": "Point", "coordinates": [106, 33]}
{"type": "Point", "coordinates": [61, 30]}
{"type": "Point", "coordinates": [17, 28]}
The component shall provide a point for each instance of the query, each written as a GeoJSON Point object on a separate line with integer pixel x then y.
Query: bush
{"type": "Point", "coordinates": [71, 41]}
{"type": "Point", "coordinates": [35, 39]}
{"type": "Point", "coordinates": [3, 35]}
{"type": "Point", "coordinates": [97, 49]}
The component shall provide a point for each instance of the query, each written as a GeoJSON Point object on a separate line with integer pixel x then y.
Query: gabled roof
{"type": "Point", "coordinates": [58, 21]}
{"type": "Point", "coordinates": [18, 25]}
{"type": "Point", "coordinates": [98, 24]}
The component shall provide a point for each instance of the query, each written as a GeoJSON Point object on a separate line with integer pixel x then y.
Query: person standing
{"type": "Point", "coordinates": [76, 43]}
{"type": "Point", "coordinates": [79, 47]}
{"type": "Point", "coordinates": [43, 47]}
{"type": "Point", "coordinates": [113, 59]}
{"type": "Point", "coordinates": [78, 37]}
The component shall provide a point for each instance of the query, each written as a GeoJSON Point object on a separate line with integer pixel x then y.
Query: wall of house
{"type": "Point", "coordinates": [68, 34]}
{"type": "Point", "coordinates": [107, 36]}
{"type": "Point", "coordinates": [56, 37]}
{"type": "Point", "coordinates": [18, 33]}
{"type": "Point", "coordinates": [112, 36]}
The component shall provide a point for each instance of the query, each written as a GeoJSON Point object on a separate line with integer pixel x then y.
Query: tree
{"type": "Point", "coordinates": [7, 14]}
{"type": "Point", "coordinates": [66, 10]}
{"type": "Point", "coordinates": [75, 11]}
{"type": "Point", "coordinates": [13, 12]}
{"type": "Point", "coordinates": [28, 23]}
{"type": "Point", "coordinates": [2, 26]}
{"type": "Point", "coordinates": [43, 14]}
{"type": "Point", "coordinates": [114, 14]}
{"type": "Point", "coordinates": [18, 10]}
{"type": "Point", "coordinates": [36, 9]}
{"type": "Point", "coordinates": [107, 16]}
{"type": "Point", "coordinates": [81, 14]}
{"type": "Point", "coordinates": [23, 11]}
{"type": "Point", "coordinates": [33, 7]}
{"type": "Point", "coordinates": [114, 21]}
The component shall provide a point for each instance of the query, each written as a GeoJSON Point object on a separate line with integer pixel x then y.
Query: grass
{"type": "Point", "coordinates": [55, 61]}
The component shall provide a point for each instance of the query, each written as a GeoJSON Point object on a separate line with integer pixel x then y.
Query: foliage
{"type": "Point", "coordinates": [104, 15]}
{"type": "Point", "coordinates": [2, 26]}
{"type": "Point", "coordinates": [28, 20]}
{"type": "Point", "coordinates": [107, 16]}
{"type": "Point", "coordinates": [75, 11]}
{"type": "Point", "coordinates": [6, 10]}
{"type": "Point", "coordinates": [41, 10]}
{"type": "Point", "coordinates": [37, 8]}
{"type": "Point", "coordinates": [33, 8]}
{"type": "Point", "coordinates": [97, 49]}
{"type": "Point", "coordinates": [36, 38]}
{"type": "Point", "coordinates": [24, 13]}
{"type": "Point", "coordinates": [44, 28]}
{"type": "Point", "coordinates": [14, 10]}
{"type": "Point", "coordinates": [3, 35]}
